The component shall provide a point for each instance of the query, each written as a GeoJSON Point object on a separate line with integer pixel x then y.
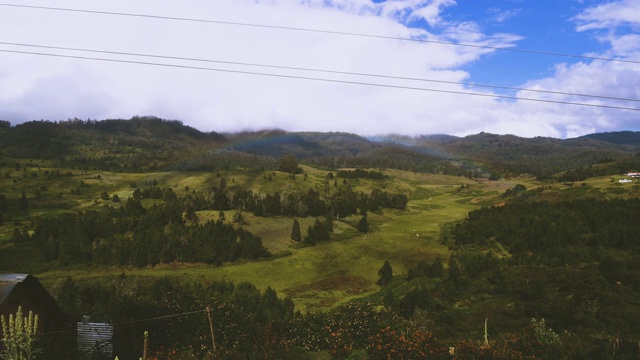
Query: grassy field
{"type": "Point", "coordinates": [318, 277]}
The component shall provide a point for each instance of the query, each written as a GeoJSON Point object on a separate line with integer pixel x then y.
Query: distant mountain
{"type": "Point", "coordinates": [274, 143]}
{"type": "Point", "coordinates": [144, 143]}
{"type": "Point", "coordinates": [619, 137]}
{"type": "Point", "coordinates": [138, 143]}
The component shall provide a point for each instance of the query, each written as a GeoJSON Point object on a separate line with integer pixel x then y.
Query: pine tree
{"type": "Point", "coordinates": [385, 273]}
{"type": "Point", "coordinates": [363, 225]}
{"type": "Point", "coordinates": [295, 231]}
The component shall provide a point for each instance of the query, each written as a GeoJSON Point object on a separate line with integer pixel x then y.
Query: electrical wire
{"type": "Point", "coordinates": [316, 70]}
{"type": "Point", "coordinates": [322, 80]}
{"type": "Point", "coordinates": [133, 321]}
{"type": "Point", "coordinates": [346, 33]}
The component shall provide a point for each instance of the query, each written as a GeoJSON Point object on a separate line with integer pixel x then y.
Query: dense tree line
{"type": "Point", "coordinates": [575, 264]}
{"type": "Point", "coordinates": [584, 172]}
{"type": "Point", "coordinates": [341, 203]}
{"type": "Point", "coordinates": [133, 235]}
{"type": "Point", "coordinates": [555, 233]}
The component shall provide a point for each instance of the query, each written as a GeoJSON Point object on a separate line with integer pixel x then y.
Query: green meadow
{"type": "Point", "coordinates": [315, 277]}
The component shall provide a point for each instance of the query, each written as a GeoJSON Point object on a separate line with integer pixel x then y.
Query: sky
{"type": "Point", "coordinates": [441, 66]}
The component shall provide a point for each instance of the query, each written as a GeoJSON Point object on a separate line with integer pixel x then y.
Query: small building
{"type": "Point", "coordinates": [624, 181]}
{"type": "Point", "coordinates": [25, 291]}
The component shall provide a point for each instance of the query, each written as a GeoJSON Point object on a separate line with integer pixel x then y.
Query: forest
{"type": "Point", "coordinates": [283, 245]}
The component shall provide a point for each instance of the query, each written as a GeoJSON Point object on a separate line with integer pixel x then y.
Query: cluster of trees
{"type": "Point", "coordinates": [227, 320]}
{"type": "Point", "coordinates": [133, 235]}
{"type": "Point", "coordinates": [584, 172]}
{"type": "Point", "coordinates": [556, 234]}
{"type": "Point", "coordinates": [181, 316]}
{"type": "Point", "coordinates": [341, 203]}
{"type": "Point", "coordinates": [170, 230]}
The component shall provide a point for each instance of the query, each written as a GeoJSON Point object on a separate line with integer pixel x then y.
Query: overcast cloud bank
{"type": "Point", "coordinates": [221, 99]}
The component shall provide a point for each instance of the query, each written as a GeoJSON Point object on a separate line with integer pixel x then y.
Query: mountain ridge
{"type": "Point", "coordinates": [128, 144]}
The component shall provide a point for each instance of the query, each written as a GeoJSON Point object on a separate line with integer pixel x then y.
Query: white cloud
{"type": "Point", "coordinates": [33, 87]}
{"type": "Point", "coordinates": [611, 14]}
{"type": "Point", "coordinates": [613, 79]}
{"type": "Point", "coordinates": [500, 15]}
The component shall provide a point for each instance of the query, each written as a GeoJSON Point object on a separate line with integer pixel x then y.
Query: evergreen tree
{"type": "Point", "coordinates": [328, 222]}
{"type": "Point", "coordinates": [385, 273]}
{"type": "Point", "coordinates": [317, 232]}
{"type": "Point", "coordinates": [137, 194]}
{"type": "Point", "coordinates": [363, 225]}
{"type": "Point", "coordinates": [295, 231]}
{"type": "Point", "coordinates": [289, 164]}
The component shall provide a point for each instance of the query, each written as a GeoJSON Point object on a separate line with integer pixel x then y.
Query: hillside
{"type": "Point", "coordinates": [148, 143]}
{"type": "Point", "coordinates": [356, 242]}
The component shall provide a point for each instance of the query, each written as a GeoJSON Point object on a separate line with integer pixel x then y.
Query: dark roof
{"type": "Point", "coordinates": [8, 282]}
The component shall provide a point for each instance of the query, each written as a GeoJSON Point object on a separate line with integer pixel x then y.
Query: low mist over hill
{"type": "Point", "coordinates": [145, 143]}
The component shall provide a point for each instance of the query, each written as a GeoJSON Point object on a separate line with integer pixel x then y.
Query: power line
{"type": "Point", "coordinates": [134, 321]}
{"type": "Point", "coordinates": [321, 80]}
{"type": "Point", "coordinates": [317, 70]}
{"type": "Point", "coordinates": [291, 28]}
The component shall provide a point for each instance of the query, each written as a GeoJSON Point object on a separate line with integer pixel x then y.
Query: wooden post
{"type": "Point", "coordinates": [213, 339]}
{"type": "Point", "coordinates": [145, 350]}
{"type": "Point", "coordinates": [486, 336]}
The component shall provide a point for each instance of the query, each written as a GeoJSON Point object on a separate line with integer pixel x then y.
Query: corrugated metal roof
{"type": "Point", "coordinates": [95, 338]}
{"type": "Point", "coordinates": [8, 282]}
{"type": "Point", "coordinates": [15, 278]}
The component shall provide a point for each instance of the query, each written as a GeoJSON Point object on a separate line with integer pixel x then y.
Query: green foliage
{"type": "Point", "coordinates": [247, 322]}
{"type": "Point", "coordinates": [411, 343]}
{"type": "Point", "coordinates": [573, 263]}
{"type": "Point", "coordinates": [385, 274]}
{"type": "Point", "coordinates": [295, 231]}
{"type": "Point", "coordinates": [363, 225]}
{"type": "Point", "coordinates": [554, 234]}
{"type": "Point", "coordinates": [139, 237]}
{"type": "Point", "coordinates": [289, 164]}
{"type": "Point", "coordinates": [317, 233]}
{"type": "Point", "coordinates": [437, 268]}
{"type": "Point", "coordinates": [19, 335]}
{"type": "Point", "coordinates": [543, 334]}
